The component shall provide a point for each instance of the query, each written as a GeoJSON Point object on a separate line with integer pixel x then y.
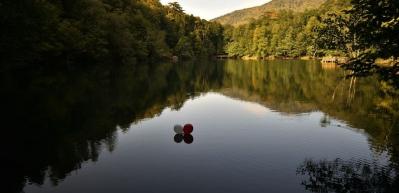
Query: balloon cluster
{"type": "Point", "coordinates": [183, 133]}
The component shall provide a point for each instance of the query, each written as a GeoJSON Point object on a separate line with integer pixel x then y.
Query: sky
{"type": "Point", "coordinates": [209, 9]}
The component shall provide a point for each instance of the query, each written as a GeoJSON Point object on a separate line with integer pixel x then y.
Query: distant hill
{"type": "Point", "coordinates": [243, 16]}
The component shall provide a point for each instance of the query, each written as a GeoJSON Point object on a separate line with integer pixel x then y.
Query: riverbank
{"type": "Point", "coordinates": [326, 59]}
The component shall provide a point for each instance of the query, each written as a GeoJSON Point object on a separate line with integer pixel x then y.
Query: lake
{"type": "Point", "coordinates": [259, 126]}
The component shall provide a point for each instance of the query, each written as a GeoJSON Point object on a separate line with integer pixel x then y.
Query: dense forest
{"type": "Point", "coordinates": [362, 30]}
{"type": "Point", "coordinates": [269, 9]}
{"type": "Point", "coordinates": [73, 72]}
{"type": "Point", "coordinates": [44, 32]}
{"type": "Point", "coordinates": [108, 31]}
{"type": "Point", "coordinates": [290, 34]}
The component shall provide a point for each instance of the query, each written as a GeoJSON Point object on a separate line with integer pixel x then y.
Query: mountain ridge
{"type": "Point", "coordinates": [243, 16]}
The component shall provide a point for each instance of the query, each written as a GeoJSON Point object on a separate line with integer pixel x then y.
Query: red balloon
{"type": "Point", "coordinates": [188, 128]}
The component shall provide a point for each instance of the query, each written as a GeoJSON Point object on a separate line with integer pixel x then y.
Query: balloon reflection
{"type": "Point", "coordinates": [188, 138]}
{"type": "Point", "coordinates": [178, 138]}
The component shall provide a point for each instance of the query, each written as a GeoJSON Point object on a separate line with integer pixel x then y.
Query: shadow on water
{"type": "Point", "coordinates": [56, 120]}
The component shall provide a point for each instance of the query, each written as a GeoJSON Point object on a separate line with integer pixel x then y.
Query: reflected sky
{"type": "Point", "coordinates": [239, 146]}
{"type": "Point", "coordinates": [256, 124]}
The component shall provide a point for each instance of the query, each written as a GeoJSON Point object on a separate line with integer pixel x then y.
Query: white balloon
{"type": "Point", "coordinates": [178, 129]}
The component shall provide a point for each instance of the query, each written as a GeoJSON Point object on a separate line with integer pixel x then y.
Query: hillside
{"type": "Point", "coordinates": [243, 16]}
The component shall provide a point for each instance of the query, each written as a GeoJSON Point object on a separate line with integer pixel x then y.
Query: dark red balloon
{"type": "Point", "coordinates": [188, 128]}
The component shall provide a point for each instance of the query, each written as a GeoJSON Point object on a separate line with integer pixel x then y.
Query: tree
{"type": "Point", "coordinates": [376, 26]}
{"type": "Point", "coordinates": [101, 31]}
{"type": "Point", "coordinates": [260, 45]}
{"type": "Point", "coordinates": [184, 47]}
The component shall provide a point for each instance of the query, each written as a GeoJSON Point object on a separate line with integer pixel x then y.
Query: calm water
{"type": "Point", "coordinates": [280, 126]}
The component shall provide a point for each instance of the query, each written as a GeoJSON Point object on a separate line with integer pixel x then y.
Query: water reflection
{"type": "Point", "coordinates": [348, 176]}
{"type": "Point", "coordinates": [187, 138]}
{"type": "Point", "coordinates": [178, 138]}
{"type": "Point", "coordinates": [62, 118]}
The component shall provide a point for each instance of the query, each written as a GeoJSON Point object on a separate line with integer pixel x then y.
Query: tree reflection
{"type": "Point", "coordinates": [348, 176]}
{"type": "Point", "coordinates": [325, 121]}
{"type": "Point", "coordinates": [57, 119]}
{"type": "Point", "coordinates": [60, 118]}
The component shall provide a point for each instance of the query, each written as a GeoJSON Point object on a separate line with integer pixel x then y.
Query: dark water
{"type": "Point", "coordinates": [280, 126]}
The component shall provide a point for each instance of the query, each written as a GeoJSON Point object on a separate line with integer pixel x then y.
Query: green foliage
{"type": "Point", "coordinates": [270, 9]}
{"type": "Point", "coordinates": [184, 48]}
{"type": "Point", "coordinates": [376, 29]}
{"type": "Point", "coordinates": [289, 35]}
{"type": "Point", "coordinates": [367, 30]}
{"type": "Point", "coordinates": [363, 30]}
{"type": "Point", "coordinates": [39, 32]}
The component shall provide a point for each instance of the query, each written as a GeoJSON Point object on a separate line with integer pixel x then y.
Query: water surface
{"type": "Point", "coordinates": [278, 126]}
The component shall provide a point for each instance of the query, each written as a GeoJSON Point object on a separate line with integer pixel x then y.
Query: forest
{"type": "Point", "coordinates": [362, 30]}
{"type": "Point", "coordinates": [74, 73]}
{"type": "Point", "coordinates": [338, 27]}
{"type": "Point", "coordinates": [44, 32]}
